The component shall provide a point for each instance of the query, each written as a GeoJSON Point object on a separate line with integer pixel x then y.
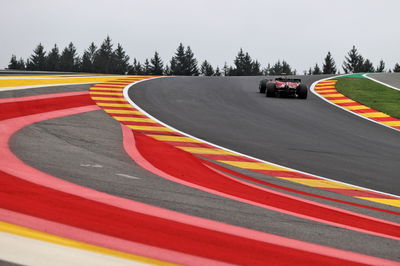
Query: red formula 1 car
{"type": "Point", "coordinates": [283, 87]}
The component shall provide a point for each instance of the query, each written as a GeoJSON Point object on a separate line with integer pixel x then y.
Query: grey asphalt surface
{"type": "Point", "coordinates": [87, 149]}
{"type": "Point", "coordinates": [309, 135]}
{"type": "Point", "coordinates": [44, 90]}
{"type": "Point", "coordinates": [388, 78]}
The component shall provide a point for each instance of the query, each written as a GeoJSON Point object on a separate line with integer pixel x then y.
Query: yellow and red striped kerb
{"type": "Point", "coordinates": [109, 96]}
{"type": "Point", "coordinates": [327, 90]}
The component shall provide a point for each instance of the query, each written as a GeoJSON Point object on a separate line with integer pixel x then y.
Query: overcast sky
{"type": "Point", "coordinates": [298, 31]}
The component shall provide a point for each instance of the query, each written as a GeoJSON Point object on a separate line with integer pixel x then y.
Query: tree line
{"type": "Point", "coordinates": [354, 63]}
{"type": "Point", "coordinates": [106, 59]}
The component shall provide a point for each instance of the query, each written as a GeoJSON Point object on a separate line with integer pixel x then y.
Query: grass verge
{"type": "Point", "coordinates": [371, 94]}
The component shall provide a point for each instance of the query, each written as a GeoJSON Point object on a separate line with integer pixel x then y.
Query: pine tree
{"type": "Point", "coordinates": [396, 67]}
{"type": "Point", "coordinates": [245, 66]}
{"type": "Point", "coordinates": [77, 64]}
{"type": "Point", "coordinates": [279, 68]}
{"type": "Point", "coordinates": [256, 68]}
{"type": "Point", "coordinates": [104, 59]}
{"type": "Point", "coordinates": [309, 71]}
{"type": "Point", "coordinates": [184, 62]}
{"type": "Point", "coordinates": [316, 70]}
{"type": "Point", "coordinates": [286, 68]}
{"type": "Point", "coordinates": [225, 69]}
{"type": "Point", "coordinates": [156, 65]}
{"type": "Point", "coordinates": [53, 59]}
{"type": "Point", "coordinates": [28, 64]}
{"type": "Point", "coordinates": [191, 68]}
{"type": "Point", "coordinates": [146, 67]}
{"type": "Point", "coordinates": [87, 64]}
{"type": "Point", "coordinates": [329, 66]}
{"type": "Point", "coordinates": [276, 69]}
{"type": "Point", "coordinates": [21, 64]}
{"type": "Point", "coordinates": [136, 68]}
{"type": "Point", "coordinates": [381, 66]}
{"type": "Point", "coordinates": [240, 64]}
{"type": "Point", "coordinates": [13, 62]}
{"type": "Point", "coordinates": [217, 72]}
{"type": "Point", "coordinates": [353, 62]}
{"type": "Point", "coordinates": [206, 69]}
{"type": "Point", "coordinates": [167, 70]}
{"type": "Point", "coordinates": [177, 63]}
{"type": "Point", "coordinates": [121, 61]}
{"type": "Point", "coordinates": [88, 59]}
{"type": "Point", "coordinates": [68, 58]}
{"type": "Point", "coordinates": [367, 66]}
{"type": "Point", "coordinates": [231, 71]}
{"type": "Point", "coordinates": [38, 58]}
{"type": "Point", "coordinates": [267, 70]}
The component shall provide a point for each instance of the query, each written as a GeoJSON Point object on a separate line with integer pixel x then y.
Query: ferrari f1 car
{"type": "Point", "coordinates": [283, 87]}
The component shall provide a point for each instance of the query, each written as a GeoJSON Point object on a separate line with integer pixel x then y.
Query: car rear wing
{"type": "Point", "coordinates": [288, 80]}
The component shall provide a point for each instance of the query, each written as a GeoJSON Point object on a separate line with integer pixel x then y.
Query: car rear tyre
{"type": "Point", "coordinates": [302, 91]}
{"type": "Point", "coordinates": [270, 90]}
{"type": "Point", "coordinates": [263, 86]}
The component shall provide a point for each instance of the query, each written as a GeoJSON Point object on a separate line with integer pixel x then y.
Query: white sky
{"type": "Point", "coordinates": [299, 31]}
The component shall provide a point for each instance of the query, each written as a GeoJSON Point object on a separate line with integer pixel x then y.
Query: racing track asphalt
{"type": "Point", "coordinates": [87, 149]}
{"type": "Point", "coordinates": [388, 78]}
{"type": "Point", "coordinates": [308, 135]}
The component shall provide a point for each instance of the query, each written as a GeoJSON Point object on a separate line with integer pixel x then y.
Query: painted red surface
{"type": "Point", "coordinates": [35, 194]}
{"type": "Point", "coordinates": [21, 108]}
{"type": "Point", "coordinates": [41, 97]}
{"type": "Point", "coordinates": [79, 212]}
{"type": "Point", "coordinates": [359, 193]}
{"type": "Point", "coordinates": [102, 240]}
{"type": "Point", "coordinates": [188, 168]}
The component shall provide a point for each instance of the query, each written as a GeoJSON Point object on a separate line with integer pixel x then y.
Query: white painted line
{"type": "Point", "coordinates": [128, 176]}
{"type": "Point", "coordinates": [380, 82]}
{"type": "Point", "coordinates": [41, 86]}
{"type": "Point", "coordinates": [28, 251]}
{"type": "Point", "coordinates": [57, 77]}
{"type": "Point", "coordinates": [126, 96]}
{"type": "Point", "coordinates": [92, 165]}
{"type": "Point", "coordinates": [347, 110]}
{"type": "Point", "coordinates": [50, 85]}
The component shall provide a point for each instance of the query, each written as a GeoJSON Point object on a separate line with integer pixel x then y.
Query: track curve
{"type": "Point", "coordinates": [306, 135]}
{"type": "Point", "coordinates": [86, 149]}
{"type": "Point", "coordinates": [391, 79]}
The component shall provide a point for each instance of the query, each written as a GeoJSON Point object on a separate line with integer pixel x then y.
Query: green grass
{"type": "Point", "coordinates": [371, 94]}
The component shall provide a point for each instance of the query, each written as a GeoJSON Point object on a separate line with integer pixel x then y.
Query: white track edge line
{"type": "Point", "coordinates": [126, 96]}
{"type": "Point", "coordinates": [57, 77]}
{"type": "Point", "coordinates": [42, 86]}
{"type": "Point", "coordinates": [381, 82]}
